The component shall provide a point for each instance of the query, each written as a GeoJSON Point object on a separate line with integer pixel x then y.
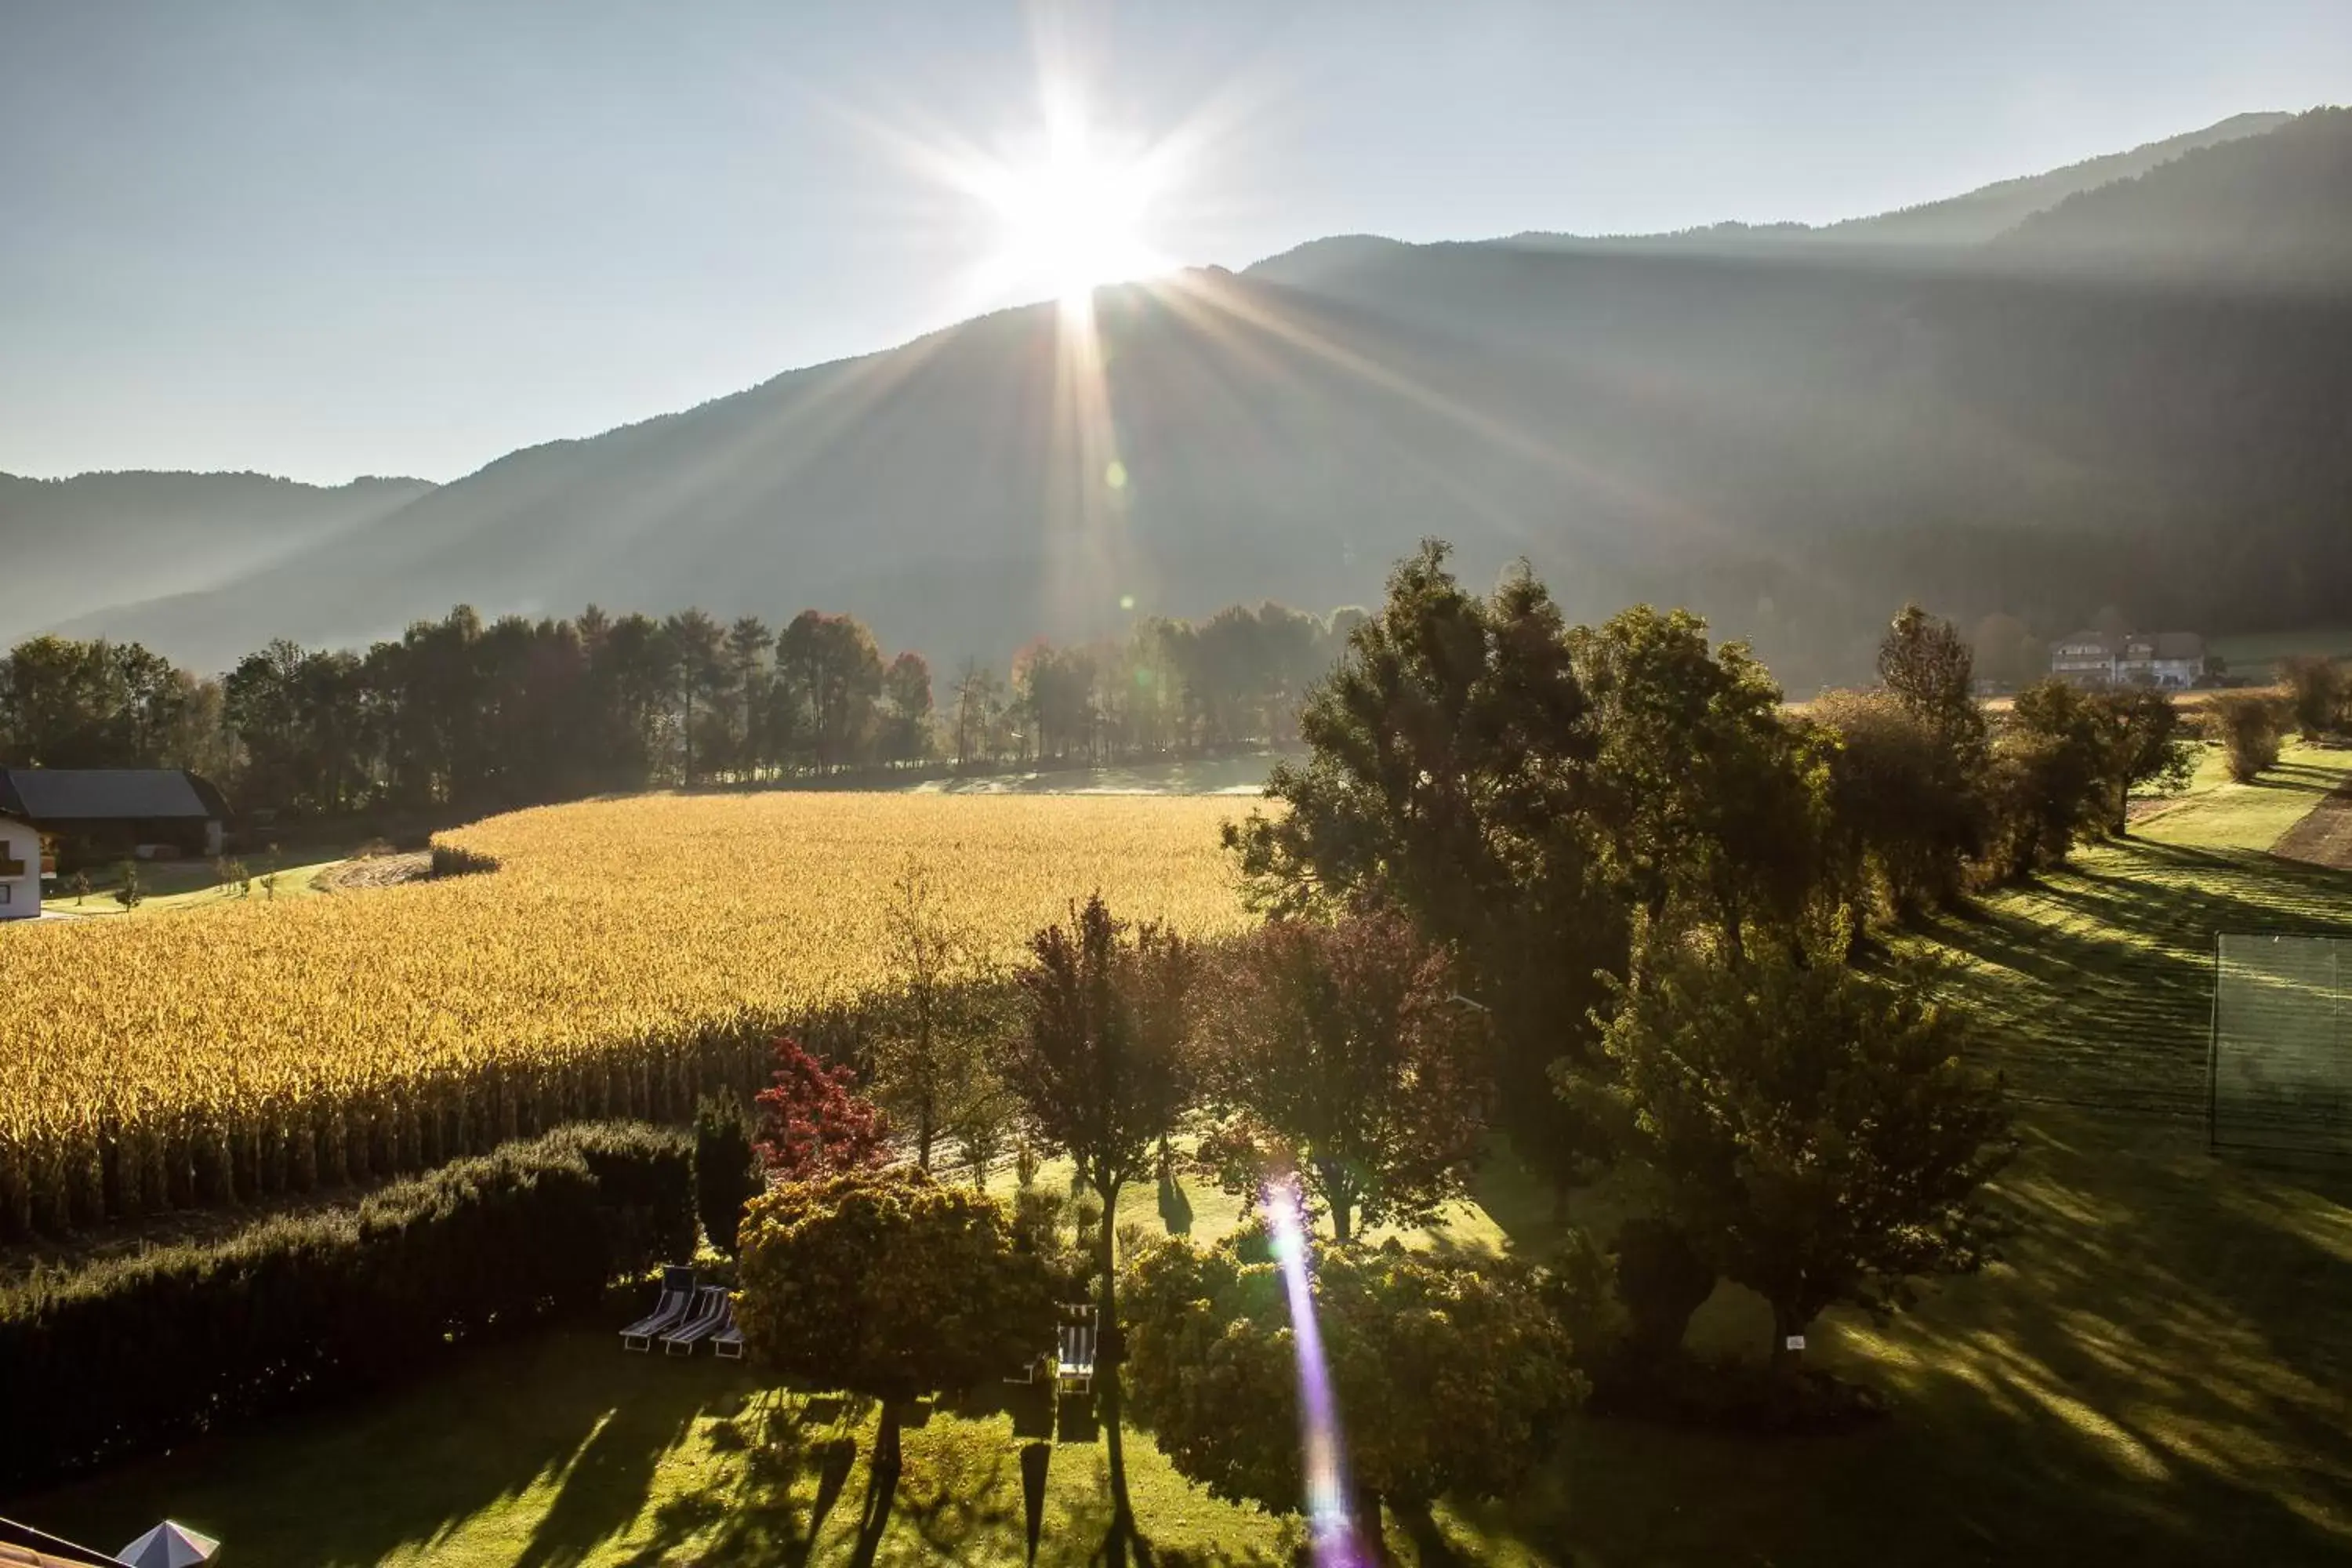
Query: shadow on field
{"type": "Point", "coordinates": [2156, 1374]}
{"type": "Point", "coordinates": [593, 1423]}
{"type": "Point", "coordinates": [2098, 978]}
{"type": "Point", "coordinates": [2160, 1370]}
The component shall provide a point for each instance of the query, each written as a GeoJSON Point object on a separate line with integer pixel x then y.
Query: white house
{"type": "Point", "coordinates": [20, 871]}
{"type": "Point", "coordinates": [2173, 661]}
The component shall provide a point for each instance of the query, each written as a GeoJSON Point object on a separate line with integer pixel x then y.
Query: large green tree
{"type": "Point", "coordinates": [1102, 1068]}
{"type": "Point", "coordinates": [1704, 792]}
{"type": "Point", "coordinates": [1449, 777]}
{"type": "Point", "coordinates": [2141, 743]}
{"type": "Point", "coordinates": [1445, 1378]}
{"type": "Point", "coordinates": [1899, 820]}
{"type": "Point", "coordinates": [889, 1284]}
{"type": "Point", "coordinates": [1341, 1051]}
{"type": "Point", "coordinates": [1815, 1132]}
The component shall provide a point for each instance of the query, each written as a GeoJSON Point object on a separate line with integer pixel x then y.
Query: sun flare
{"type": "Point", "coordinates": [1072, 221]}
{"type": "Point", "coordinates": [1069, 210]}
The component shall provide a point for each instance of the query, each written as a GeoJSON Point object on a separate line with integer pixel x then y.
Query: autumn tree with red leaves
{"type": "Point", "coordinates": [815, 1123]}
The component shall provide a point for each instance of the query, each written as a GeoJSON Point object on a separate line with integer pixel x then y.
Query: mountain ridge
{"type": "Point", "coordinates": [1791, 438]}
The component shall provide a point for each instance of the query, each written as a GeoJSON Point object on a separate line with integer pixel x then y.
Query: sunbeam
{"type": "Point", "coordinates": [1330, 1520]}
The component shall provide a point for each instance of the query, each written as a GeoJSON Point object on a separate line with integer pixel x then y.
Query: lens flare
{"type": "Point", "coordinates": [1331, 1523]}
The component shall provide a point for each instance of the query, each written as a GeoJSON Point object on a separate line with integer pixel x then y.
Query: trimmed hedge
{"type": "Point", "coordinates": [138, 1353]}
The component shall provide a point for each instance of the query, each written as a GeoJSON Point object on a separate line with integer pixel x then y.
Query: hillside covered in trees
{"type": "Point", "coordinates": [1788, 439]}
{"type": "Point", "coordinates": [76, 545]}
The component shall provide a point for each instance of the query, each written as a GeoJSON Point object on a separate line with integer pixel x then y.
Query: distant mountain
{"type": "Point", "coordinates": [1974, 216]}
{"type": "Point", "coordinates": [2279, 207]}
{"type": "Point", "coordinates": [1792, 440]}
{"type": "Point", "coordinates": [1991, 210]}
{"type": "Point", "coordinates": [72, 546]}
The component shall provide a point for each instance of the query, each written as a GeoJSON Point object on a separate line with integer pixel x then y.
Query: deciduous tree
{"type": "Point", "coordinates": [889, 1284]}
{"type": "Point", "coordinates": [932, 1067]}
{"type": "Point", "coordinates": [1102, 1072]}
{"type": "Point", "coordinates": [1703, 794]}
{"type": "Point", "coordinates": [2141, 745]}
{"type": "Point", "coordinates": [812, 1121]}
{"type": "Point", "coordinates": [1816, 1133]}
{"type": "Point", "coordinates": [1449, 777]}
{"type": "Point", "coordinates": [1342, 1052]}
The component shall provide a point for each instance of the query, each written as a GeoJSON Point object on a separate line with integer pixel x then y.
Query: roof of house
{"type": "Point", "coordinates": [107, 794]}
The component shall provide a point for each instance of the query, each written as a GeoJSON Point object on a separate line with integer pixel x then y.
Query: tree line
{"type": "Point", "coordinates": [468, 715]}
{"type": "Point", "coordinates": [1597, 890]}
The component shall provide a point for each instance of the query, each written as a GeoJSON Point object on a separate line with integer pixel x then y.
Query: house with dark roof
{"type": "Point", "coordinates": [97, 813]}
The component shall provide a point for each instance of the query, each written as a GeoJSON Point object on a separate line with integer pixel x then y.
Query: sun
{"type": "Point", "coordinates": [1070, 214]}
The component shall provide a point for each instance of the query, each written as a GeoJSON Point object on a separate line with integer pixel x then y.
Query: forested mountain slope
{"type": "Point", "coordinates": [95, 539]}
{"type": "Point", "coordinates": [1794, 442]}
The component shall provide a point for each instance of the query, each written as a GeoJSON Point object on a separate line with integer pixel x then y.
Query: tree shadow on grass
{"type": "Point", "coordinates": [798, 1460]}
{"type": "Point", "coordinates": [1175, 1207]}
{"type": "Point", "coordinates": [351, 1483]}
{"type": "Point", "coordinates": [2155, 1375]}
{"type": "Point", "coordinates": [2098, 980]}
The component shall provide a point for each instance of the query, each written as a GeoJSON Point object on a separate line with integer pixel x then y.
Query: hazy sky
{"type": "Point", "coordinates": [320, 239]}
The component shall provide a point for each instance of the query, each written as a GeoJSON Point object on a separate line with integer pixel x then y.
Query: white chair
{"type": "Point", "coordinates": [1075, 1351]}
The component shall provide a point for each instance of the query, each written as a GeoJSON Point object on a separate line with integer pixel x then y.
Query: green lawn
{"type": "Point", "coordinates": [2159, 1371]}
{"type": "Point", "coordinates": [168, 886]}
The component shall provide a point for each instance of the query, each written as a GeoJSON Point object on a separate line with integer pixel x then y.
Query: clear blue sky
{"type": "Point", "coordinates": [321, 239]}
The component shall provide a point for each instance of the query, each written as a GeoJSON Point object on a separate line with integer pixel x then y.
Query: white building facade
{"type": "Point", "coordinates": [20, 871]}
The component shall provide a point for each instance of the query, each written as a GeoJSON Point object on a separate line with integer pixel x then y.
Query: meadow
{"type": "Point", "coordinates": [622, 956]}
{"type": "Point", "coordinates": [2156, 1370]}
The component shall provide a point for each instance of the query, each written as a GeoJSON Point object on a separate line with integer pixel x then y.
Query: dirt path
{"type": "Point", "coordinates": [377, 871]}
{"type": "Point", "coordinates": [2323, 837]}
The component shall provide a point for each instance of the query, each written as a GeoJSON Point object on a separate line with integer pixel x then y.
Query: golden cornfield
{"type": "Point", "coordinates": [623, 955]}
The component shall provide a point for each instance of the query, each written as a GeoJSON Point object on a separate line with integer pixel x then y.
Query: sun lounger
{"type": "Point", "coordinates": [710, 1313]}
{"type": "Point", "coordinates": [727, 1342]}
{"type": "Point", "coordinates": [677, 1298]}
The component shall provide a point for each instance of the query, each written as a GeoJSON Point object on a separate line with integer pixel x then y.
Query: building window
{"type": "Point", "coordinates": [7, 892]}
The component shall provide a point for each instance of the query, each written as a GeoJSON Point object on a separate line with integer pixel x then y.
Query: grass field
{"type": "Point", "coordinates": [2160, 1371]}
{"type": "Point", "coordinates": [172, 887]}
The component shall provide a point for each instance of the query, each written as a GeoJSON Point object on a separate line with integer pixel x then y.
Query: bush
{"type": "Point", "coordinates": [727, 1173]}
{"type": "Point", "coordinates": [2247, 727]}
{"type": "Point", "coordinates": [890, 1284]}
{"type": "Point", "coordinates": [2316, 693]}
{"type": "Point", "coordinates": [1450, 1379]}
{"type": "Point", "coordinates": [138, 1353]}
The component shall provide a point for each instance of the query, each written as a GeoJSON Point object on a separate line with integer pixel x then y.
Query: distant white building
{"type": "Point", "coordinates": [20, 871]}
{"type": "Point", "coordinates": [2169, 660]}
